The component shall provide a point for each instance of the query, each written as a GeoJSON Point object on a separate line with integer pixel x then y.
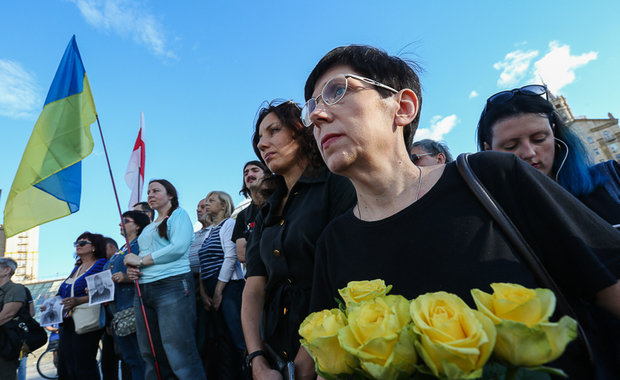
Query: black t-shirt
{"type": "Point", "coordinates": [282, 247]}
{"type": "Point", "coordinates": [244, 223]}
{"type": "Point", "coordinates": [600, 200]}
{"type": "Point", "coordinates": [446, 241]}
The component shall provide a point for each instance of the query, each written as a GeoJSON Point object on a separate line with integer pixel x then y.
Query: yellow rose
{"type": "Point", "coordinates": [378, 336]}
{"type": "Point", "coordinates": [358, 291]}
{"type": "Point", "coordinates": [454, 340]}
{"type": "Point", "coordinates": [320, 337]}
{"type": "Point", "coordinates": [525, 337]}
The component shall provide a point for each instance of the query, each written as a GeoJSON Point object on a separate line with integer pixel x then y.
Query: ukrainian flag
{"type": "Point", "coordinates": [48, 183]}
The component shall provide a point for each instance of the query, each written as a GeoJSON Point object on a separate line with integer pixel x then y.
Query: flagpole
{"type": "Point", "coordinates": [148, 330]}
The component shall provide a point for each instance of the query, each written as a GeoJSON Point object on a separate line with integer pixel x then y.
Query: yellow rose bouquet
{"type": "Point", "coordinates": [381, 336]}
{"type": "Point", "coordinates": [525, 337]}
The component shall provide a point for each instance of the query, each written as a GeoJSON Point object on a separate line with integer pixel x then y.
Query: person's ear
{"type": "Point", "coordinates": [487, 147]}
{"type": "Point", "coordinates": [408, 107]}
{"type": "Point", "coordinates": [441, 158]}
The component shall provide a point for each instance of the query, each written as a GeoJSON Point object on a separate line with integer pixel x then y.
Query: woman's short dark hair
{"type": "Point", "coordinates": [266, 172]}
{"type": "Point", "coordinates": [98, 241]}
{"type": "Point", "coordinates": [377, 65]}
{"type": "Point", "coordinates": [289, 115]}
{"type": "Point", "coordinates": [139, 218]}
{"type": "Point", "coordinates": [174, 201]}
{"type": "Point", "coordinates": [576, 175]}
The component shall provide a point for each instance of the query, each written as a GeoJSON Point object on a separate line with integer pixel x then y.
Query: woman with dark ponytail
{"type": "Point", "coordinates": [167, 287]}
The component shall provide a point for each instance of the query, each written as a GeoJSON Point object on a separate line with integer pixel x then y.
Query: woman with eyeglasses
{"type": "Point", "coordinates": [167, 287]}
{"type": "Point", "coordinates": [523, 122]}
{"type": "Point", "coordinates": [280, 255]}
{"type": "Point", "coordinates": [79, 351]}
{"type": "Point", "coordinates": [363, 107]}
{"type": "Point", "coordinates": [134, 222]}
{"type": "Point", "coordinates": [222, 285]}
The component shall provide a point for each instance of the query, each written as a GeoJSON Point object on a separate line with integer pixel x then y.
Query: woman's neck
{"type": "Point", "coordinates": [217, 219]}
{"type": "Point", "coordinates": [162, 212]}
{"type": "Point", "coordinates": [88, 260]}
{"type": "Point", "coordinates": [385, 188]}
{"type": "Point", "coordinates": [293, 174]}
{"type": "Point", "coordinates": [131, 238]}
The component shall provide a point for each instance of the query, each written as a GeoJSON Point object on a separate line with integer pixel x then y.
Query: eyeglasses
{"type": "Point", "coordinates": [531, 90]}
{"type": "Point", "coordinates": [416, 157]}
{"type": "Point", "coordinates": [333, 91]}
{"type": "Point", "coordinates": [125, 221]}
{"type": "Point", "coordinates": [81, 243]}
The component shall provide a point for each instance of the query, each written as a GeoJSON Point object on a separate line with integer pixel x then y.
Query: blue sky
{"type": "Point", "coordinates": [200, 70]}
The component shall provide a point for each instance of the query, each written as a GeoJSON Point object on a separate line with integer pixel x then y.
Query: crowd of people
{"type": "Point", "coordinates": [340, 192]}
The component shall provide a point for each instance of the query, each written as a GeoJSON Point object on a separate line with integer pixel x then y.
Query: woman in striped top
{"type": "Point", "coordinates": [222, 285]}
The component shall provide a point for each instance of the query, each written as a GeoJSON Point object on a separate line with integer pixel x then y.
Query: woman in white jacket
{"type": "Point", "coordinates": [222, 285]}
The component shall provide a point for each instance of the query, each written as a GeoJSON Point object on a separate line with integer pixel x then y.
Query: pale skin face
{"type": "Point", "coordinates": [529, 136]}
{"type": "Point", "coordinates": [214, 207]}
{"type": "Point", "coordinates": [359, 126]}
{"type": "Point", "coordinates": [253, 177]}
{"type": "Point", "coordinates": [158, 198]}
{"type": "Point", "coordinates": [200, 209]}
{"type": "Point", "coordinates": [427, 160]}
{"type": "Point", "coordinates": [277, 146]}
{"type": "Point", "coordinates": [85, 250]}
{"type": "Point", "coordinates": [131, 227]}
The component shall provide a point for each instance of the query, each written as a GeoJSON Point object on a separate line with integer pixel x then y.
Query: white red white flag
{"type": "Point", "coordinates": [134, 176]}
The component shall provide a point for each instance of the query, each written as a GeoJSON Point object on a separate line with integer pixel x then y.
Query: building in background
{"type": "Point", "coordinates": [602, 136]}
{"type": "Point", "coordinates": [24, 248]}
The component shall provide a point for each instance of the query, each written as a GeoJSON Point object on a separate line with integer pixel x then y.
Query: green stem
{"type": "Point", "coordinates": [511, 373]}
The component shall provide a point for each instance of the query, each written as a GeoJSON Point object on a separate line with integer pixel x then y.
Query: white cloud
{"type": "Point", "coordinates": [557, 67]}
{"type": "Point", "coordinates": [440, 126]}
{"type": "Point", "coordinates": [473, 94]}
{"type": "Point", "coordinates": [19, 94]}
{"type": "Point", "coordinates": [125, 19]}
{"type": "Point", "coordinates": [514, 67]}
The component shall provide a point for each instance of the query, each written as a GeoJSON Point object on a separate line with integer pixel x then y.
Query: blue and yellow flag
{"type": "Point", "coordinates": [48, 183]}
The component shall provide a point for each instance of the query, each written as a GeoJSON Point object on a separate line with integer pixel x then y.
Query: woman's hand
{"type": "Point", "coordinates": [70, 302]}
{"type": "Point", "coordinates": [43, 308]}
{"type": "Point", "coordinates": [131, 260]}
{"type": "Point", "coordinates": [262, 371]}
{"type": "Point", "coordinates": [133, 273]}
{"type": "Point", "coordinates": [304, 365]}
{"type": "Point", "coordinates": [119, 277]}
{"type": "Point", "coordinates": [217, 294]}
{"type": "Point", "coordinates": [206, 300]}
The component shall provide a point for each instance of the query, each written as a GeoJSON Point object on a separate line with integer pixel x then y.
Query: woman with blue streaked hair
{"type": "Point", "coordinates": [523, 122]}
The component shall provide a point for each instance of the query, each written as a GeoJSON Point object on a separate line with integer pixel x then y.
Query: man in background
{"type": "Point", "coordinates": [12, 298]}
{"type": "Point", "coordinates": [430, 152]}
{"type": "Point", "coordinates": [254, 172]}
{"type": "Point", "coordinates": [145, 208]}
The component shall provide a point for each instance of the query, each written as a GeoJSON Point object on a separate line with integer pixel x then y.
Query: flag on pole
{"type": "Point", "coordinates": [134, 176]}
{"type": "Point", "coordinates": [48, 183]}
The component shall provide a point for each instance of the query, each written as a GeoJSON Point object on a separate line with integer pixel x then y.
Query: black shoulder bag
{"type": "Point", "coordinates": [22, 330]}
{"type": "Point", "coordinates": [603, 368]}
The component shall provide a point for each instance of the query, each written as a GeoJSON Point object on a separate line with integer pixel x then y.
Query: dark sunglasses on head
{"type": "Point", "coordinates": [416, 157]}
{"type": "Point", "coordinates": [531, 90]}
{"type": "Point", "coordinates": [81, 243]}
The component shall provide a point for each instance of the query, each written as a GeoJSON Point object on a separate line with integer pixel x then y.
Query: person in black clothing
{"type": "Point", "coordinates": [280, 255]}
{"type": "Point", "coordinates": [522, 121]}
{"type": "Point", "coordinates": [363, 107]}
{"type": "Point", "coordinates": [253, 174]}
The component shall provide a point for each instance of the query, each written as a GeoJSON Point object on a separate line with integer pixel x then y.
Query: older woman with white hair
{"type": "Point", "coordinates": [222, 284]}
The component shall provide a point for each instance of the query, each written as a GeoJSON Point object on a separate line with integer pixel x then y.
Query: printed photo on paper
{"type": "Point", "coordinates": [100, 288]}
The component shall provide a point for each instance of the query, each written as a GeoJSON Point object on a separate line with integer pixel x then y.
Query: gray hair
{"type": "Point", "coordinates": [434, 148]}
{"type": "Point", "coordinates": [7, 262]}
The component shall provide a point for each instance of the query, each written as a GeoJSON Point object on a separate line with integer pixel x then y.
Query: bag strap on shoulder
{"type": "Point", "coordinates": [524, 251]}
